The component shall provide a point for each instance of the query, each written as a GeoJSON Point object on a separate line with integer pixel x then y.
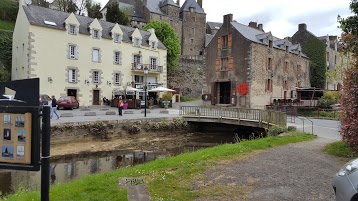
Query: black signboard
{"type": "Point", "coordinates": [20, 92]}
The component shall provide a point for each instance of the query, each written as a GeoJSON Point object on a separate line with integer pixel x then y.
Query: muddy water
{"type": "Point", "coordinates": [66, 169]}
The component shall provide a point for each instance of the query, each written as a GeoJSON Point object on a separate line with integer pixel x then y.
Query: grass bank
{"type": "Point", "coordinates": [340, 149]}
{"type": "Point", "coordinates": [320, 114]}
{"type": "Point", "coordinates": [166, 179]}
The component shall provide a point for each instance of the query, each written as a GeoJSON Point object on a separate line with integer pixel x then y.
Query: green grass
{"type": "Point", "coordinates": [340, 149]}
{"type": "Point", "coordinates": [321, 115]}
{"type": "Point", "coordinates": [7, 25]}
{"type": "Point", "coordinates": [167, 178]}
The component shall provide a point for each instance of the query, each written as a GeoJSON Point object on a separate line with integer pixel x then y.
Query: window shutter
{"type": "Point", "coordinates": [120, 57]}
{"type": "Point", "coordinates": [230, 41]}
{"type": "Point", "coordinates": [76, 52]}
{"type": "Point", "coordinates": [69, 75]}
{"type": "Point", "coordinates": [219, 43]}
{"type": "Point", "coordinates": [217, 65]}
{"type": "Point", "coordinates": [231, 63]}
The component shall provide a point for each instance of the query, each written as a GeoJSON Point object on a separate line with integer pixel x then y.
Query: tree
{"type": "Point", "coordinates": [8, 10]}
{"type": "Point", "coordinates": [166, 34]}
{"type": "Point", "coordinates": [69, 6]}
{"type": "Point", "coordinates": [93, 9]}
{"type": "Point", "coordinates": [116, 15]}
{"type": "Point", "coordinates": [349, 96]}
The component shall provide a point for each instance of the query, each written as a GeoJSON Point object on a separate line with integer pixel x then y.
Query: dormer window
{"type": "Point", "coordinates": [117, 38]}
{"type": "Point", "coordinates": [72, 29]}
{"type": "Point", "coordinates": [270, 44]}
{"type": "Point", "coordinates": [153, 45]}
{"type": "Point", "coordinates": [136, 42]}
{"type": "Point", "coordinates": [286, 46]}
{"type": "Point", "coordinates": [191, 9]}
{"type": "Point", "coordinates": [95, 34]}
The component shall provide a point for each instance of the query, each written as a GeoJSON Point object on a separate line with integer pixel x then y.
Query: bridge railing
{"type": "Point", "coordinates": [261, 116]}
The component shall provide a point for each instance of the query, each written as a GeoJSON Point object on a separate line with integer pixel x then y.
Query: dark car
{"type": "Point", "coordinates": [345, 183]}
{"type": "Point", "coordinates": [44, 100]}
{"type": "Point", "coordinates": [67, 102]}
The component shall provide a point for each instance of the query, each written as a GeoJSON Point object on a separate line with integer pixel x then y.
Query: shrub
{"type": "Point", "coordinates": [167, 96]}
{"type": "Point", "coordinates": [329, 98]}
{"type": "Point", "coordinates": [276, 130]}
{"type": "Point", "coordinates": [291, 128]}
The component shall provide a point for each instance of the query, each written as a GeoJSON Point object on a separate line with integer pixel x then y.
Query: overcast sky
{"type": "Point", "coordinates": [281, 17]}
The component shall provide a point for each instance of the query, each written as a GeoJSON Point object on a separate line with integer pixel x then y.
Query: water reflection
{"type": "Point", "coordinates": [68, 169]}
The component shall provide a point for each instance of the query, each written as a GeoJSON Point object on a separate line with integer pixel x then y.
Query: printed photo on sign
{"type": "Point", "coordinates": [21, 136]}
{"type": "Point", "coordinates": [20, 121]}
{"type": "Point", "coordinates": [20, 151]}
{"type": "Point", "coordinates": [7, 134]}
{"type": "Point", "coordinates": [7, 119]}
{"type": "Point", "coordinates": [7, 151]}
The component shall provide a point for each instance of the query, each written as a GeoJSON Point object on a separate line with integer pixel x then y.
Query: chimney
{"type": "Point", "coordinates": [200, 2]}
{"type": "Point", "coordinates": [228, 18]}
{"type": "Point", "coordinates": [178, 2]}
{"type": "Point", "coordinates": [253, 25]}
{"type": "Point", "coordinates": [261, 27]}
{"type": "Point", "coordinates": [302, 27]}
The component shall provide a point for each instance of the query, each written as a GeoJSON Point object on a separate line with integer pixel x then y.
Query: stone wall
{"type": "Point", "coordinates": [193, 37]}
{"type": "Point", "coordinates": [189, 76]}
{"type": "Point", "coordinates": [106, 130]}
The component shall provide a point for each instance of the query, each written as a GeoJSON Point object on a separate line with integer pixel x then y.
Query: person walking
{"type": "Point", "coordinates": [120, 106]}
{"type": "Point", "coordinates": [54, 107]}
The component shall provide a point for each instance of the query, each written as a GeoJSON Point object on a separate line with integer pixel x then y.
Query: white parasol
{"type": "Point", "coordinates": [128, 88]}
{"type": "Point", "coordinates": [161, 89]}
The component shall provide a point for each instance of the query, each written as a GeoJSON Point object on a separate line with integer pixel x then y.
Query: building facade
{"type": "Point", "coordinates": [249, 68]}
{"type": "Point", "coordinates": [84, 57]}
{"type": "Point", "coordinates": [188, 21]}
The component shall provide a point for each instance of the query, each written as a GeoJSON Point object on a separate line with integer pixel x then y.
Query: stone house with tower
{"type": "Point", "coordinates": [84, 57]}
{"type": "Point", "coordinates": [188, 21]}
{"type": "Point", "coordinates": [249, 68]}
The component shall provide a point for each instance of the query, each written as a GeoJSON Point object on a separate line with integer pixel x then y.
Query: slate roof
{"type": "Point", "coordinates": [37, 15]}
{"type": "Point", "coordinates": [208, 38]}
{"type": "Point", "coordinates": [153, 6]}
{"type": "Point", "coordinates": [256, 35]}
{"type": "Point", "coordinates": [168, 2]}
{"type": "Point", "coordinates": [192, 4]}
{"type": "Point", "coordinates": [214, 25]}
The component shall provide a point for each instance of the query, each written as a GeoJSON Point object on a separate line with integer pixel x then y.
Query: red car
{"type": "Point", "coordinates": [67, 102]}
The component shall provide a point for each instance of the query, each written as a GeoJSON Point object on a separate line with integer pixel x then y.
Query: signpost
{"type": "Point", "coordinates": [20, 115]}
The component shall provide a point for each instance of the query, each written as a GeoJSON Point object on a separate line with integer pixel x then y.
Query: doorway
{"type": "Point", "coordinates": [72, 92]}
{"type": "Point", "coordinates": [95, 97]}
{"type": "Point", "coordinates": [225, 91]}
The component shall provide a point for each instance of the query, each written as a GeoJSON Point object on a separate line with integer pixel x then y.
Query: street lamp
{"type": "Point", "coordinates": [145, 91]}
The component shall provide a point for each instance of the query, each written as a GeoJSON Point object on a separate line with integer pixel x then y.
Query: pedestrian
{"type": "Point", "coordinates": [54, 107]}
{"type": "Point", "coordinates": [120, 106]}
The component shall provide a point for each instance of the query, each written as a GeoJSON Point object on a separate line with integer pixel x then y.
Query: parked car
{"type": "Point", "coordinates": [345, 183]}
{"type": "Point", "coordinates": [44, 100]}
{"type": "Point", "coordinates": [67, 102]}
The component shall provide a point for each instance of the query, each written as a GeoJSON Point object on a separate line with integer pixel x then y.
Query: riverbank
{"type": "Point", "coordinates": [168, 178]}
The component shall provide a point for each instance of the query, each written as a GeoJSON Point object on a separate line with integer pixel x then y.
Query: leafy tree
{"type": "Point", "coordinates": [93, 9]}
{"type": "Point", "coordinates": [8, 10]}
{"type": "Point", "coordinates": [42, 3]}
{"type": "Point", "coordinates": [66, 5]}
{"type": "Point", "coordinates": [349, 96]}
{"type": "Point", "coordinates": [169, 38]}
{"type": "Point", "coordinates": [4, 74]}
{"type": "Point", "coordinates": [116, 15]}
{"type": "Point", "coordinates": [6, 49]}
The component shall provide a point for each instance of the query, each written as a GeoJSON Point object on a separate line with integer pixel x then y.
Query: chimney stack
{"type": "Point", "coordinates": [261, 27]}
{"type": "Point", "coordinates": [178, 2]}
{"type": "Point", "coordinates": [227, 19]}
{"type": "Point", "coordinates": [302, 27]}
{"type": "Point", "coordinates": [332, 38]}
{"type": "Point", "coordinates": [253, 25]}
{"type": "Point", "coordinates": [200, 2]}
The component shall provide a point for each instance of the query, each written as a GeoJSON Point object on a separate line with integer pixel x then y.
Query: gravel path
{"type": "Point", "coordinates": [298, 171]}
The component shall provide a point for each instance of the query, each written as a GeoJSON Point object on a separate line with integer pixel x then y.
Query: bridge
{"type": "Point", "coordinates": [233, 116]}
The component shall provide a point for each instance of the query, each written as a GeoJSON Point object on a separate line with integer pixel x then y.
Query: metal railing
{"type": "Point", "coordinates": [151, 68]}
{"type": "Point", "coordinates": [260, 116]}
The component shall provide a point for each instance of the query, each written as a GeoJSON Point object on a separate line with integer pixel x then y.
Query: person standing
{"type": "Point", "coordinates": [120, 106]}
{"type": "Point", "coordinates": [54, 107]}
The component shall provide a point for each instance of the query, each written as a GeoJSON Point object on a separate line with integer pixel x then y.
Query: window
{"type": "Point", "coordinates": [95, 55]}
{"type": "Point", "coordinates": [192, 40]}
{"type": "Point", "coordinates": [224, 64]}
{"type": "Point", "coordinates": [72, 51]}
{"type": "Point", "coordinates": [225, 41]}
{"type": "Point", "coordinates": [171, 22]}
{"type": "Point", "coordinates": [117, 78]}
{"type": "Point", "coordinates": [136, 60]}
{"type": "Point", "coordinates": [286, 48]}
{"type": "Point", "coordinates": [95, 34]}
{"type": "Point", "coordinates": [72, 29]}
{"type": "Point", "coordinates": [136, 42]}
{"type": "Point", "coordinates": [286, 67]}
{"type": "Point", "coordinates": [116, 38]}
{"type": "Point", "coordinates": [270, 44]}
{"type": "Point", "coordinates": [299, 84]}
{"type": "Point", "coordinates": [153, 45]}
{"type": "Point", "coordinates": [268, 85]}
{"type": "Point", "coordinates": [194, 19]}
{"type": "Point", "coordinates": [72, 75]}
{"type": "Point", "coordinates": [95, 77]}
{"type": "Point", "coordinates": [117, 57]}
{"type": "Point", "coordinates": [153, 63]}
{"type": "Point", "coordinates": [285, 85]}
{"type": "Point", "coordinates": [269, 64]}
{"type": "Point", "coordinates": [193, 31]}
{"type": "Point", "coordinates": [138, 79]}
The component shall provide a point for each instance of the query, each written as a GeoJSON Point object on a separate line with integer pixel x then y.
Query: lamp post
{"type": "Point", "coordinates": [145, 91]}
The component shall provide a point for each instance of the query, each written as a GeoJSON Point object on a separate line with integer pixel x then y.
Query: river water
{"type": "Point", "coordinates": [67, 169]}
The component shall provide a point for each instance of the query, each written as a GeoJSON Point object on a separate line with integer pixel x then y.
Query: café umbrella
{"type": "Point", "coordinates": [161, 89]}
